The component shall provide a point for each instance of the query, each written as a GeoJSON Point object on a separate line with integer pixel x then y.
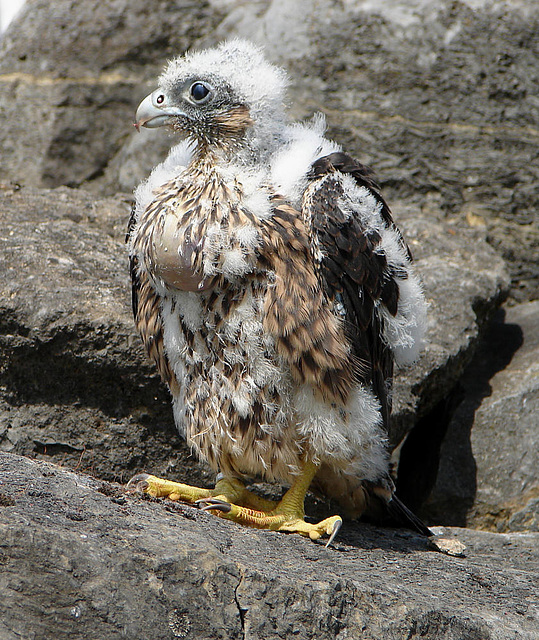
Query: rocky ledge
{"type": "Point", "coordinates": [77, 554]}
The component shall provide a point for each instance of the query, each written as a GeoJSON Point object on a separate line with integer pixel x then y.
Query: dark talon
{"type": "Point", "coordinates": [138, 483]}
{"type": "Point", "coordinates": [336, 527]}
{"type": "Point", "coordinates": [213, 503]}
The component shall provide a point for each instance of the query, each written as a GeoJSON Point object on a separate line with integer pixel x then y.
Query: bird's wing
{"type": "Point", "coordinates": [307, 334]}
{"type": "Point", "coordinates": [147, 314]}
{"type": "Point", "coordinates": [354, 267]}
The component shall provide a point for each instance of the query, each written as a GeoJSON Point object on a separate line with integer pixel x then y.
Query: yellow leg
{"type": "Point", "coordinates": [231, 500]}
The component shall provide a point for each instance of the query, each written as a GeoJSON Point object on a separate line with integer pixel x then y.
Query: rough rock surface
{"type": "Point", "coordinates": [75, 383]}
{"type": "Point", "coordinates": [488, 475]}
{"type": "Point", "coordinates": [70, 75]}
{"type": "Point", "coordinates": [123, 567]}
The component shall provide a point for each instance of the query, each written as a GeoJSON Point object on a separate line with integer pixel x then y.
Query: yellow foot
{"type": "Point", "coordinates": [274, 520]}
{"type": "Point", "coordinates": [229, 490]}
{"type": "Point", "coordinates": [231, 500]}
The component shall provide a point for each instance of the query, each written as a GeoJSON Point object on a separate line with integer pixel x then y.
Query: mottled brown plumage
{"type": "Point", "coordinates": [297, 311]}
{"type": "Point", "coordinates": [269, 292]}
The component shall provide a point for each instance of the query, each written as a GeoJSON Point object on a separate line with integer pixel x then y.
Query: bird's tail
{"type": "Point", "coordinates": [400, 512]}
{"type": "Point", "coordinates": [395, 508]}
{"type": "Point", "coordinates": [376, 501]}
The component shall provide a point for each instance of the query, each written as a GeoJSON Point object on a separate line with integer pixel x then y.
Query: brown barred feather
{"type": "Point", "coordinates": [147, 314]}
{"type": "Point", "coordinates": [308, 335]}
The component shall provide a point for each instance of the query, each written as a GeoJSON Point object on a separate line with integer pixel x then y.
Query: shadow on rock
{"type": "Point", "coordinates": [455, 486]}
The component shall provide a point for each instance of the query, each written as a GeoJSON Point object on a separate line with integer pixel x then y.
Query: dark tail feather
{"type": "Point", "coordinates": [403, 515]}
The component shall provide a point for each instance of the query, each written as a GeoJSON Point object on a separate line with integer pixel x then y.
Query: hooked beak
{"type": "Point", "coordinates": [150, 115]}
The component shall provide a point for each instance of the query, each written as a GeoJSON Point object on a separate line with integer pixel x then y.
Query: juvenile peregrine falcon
{"type": "Point", "coordinates": [273, 291]}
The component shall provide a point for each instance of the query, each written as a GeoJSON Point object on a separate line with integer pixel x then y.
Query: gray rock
{"type": "Point", "coordinates": [81, 560]}
{"type": "Point", "coordinates": [71, 75]}
{"type": "Point", "coordinates": [464, 282]}
{"type": "Point", "coordinates": [75, 385]}
{"type": "Point", "coordinates": [92, 36]}
{"type": "Point", "coordinates": [489, 459]}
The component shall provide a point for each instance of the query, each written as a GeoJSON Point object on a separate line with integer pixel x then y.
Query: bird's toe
{"type": "Point", "coordinates": [208, 504]}
{"type": "Point", "coordinates": [138, 483]}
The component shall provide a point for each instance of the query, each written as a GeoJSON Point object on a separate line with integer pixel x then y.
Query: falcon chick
{"type": "Point", "coordinates": [273, 291]}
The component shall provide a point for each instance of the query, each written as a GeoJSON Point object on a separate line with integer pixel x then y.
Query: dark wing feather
{"type": "Point", "coordinates": [355, 275]}
{"type": "Point", "coordinates": [147, 314]}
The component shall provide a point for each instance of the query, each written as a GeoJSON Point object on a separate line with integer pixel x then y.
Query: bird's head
{"type": "Point", "coordinates": [226, 97]}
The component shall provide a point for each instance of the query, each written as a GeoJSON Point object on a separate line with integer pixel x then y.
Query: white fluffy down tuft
{"type": "Point", "coordinates": [351, 437]}
{"type": "Point", "coordinates": [178, 158]}
{"type": "Point", "coordinates": [303, 144]}
{"type": "Point", "coordinates": [405, 332]}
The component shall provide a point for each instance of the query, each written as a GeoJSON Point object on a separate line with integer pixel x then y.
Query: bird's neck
{"type": "Point", "coordinates": [253, 149]}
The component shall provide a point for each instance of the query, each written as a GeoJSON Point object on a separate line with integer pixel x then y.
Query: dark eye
{"type": "Point", "coordinates": [199, 91]}
{"type": "Point", "coordinates": [160, 99]}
